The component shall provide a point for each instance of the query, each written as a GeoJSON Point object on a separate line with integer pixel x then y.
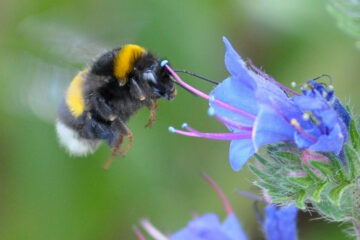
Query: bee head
{"type": "Point", "coordinates": [148, 69]}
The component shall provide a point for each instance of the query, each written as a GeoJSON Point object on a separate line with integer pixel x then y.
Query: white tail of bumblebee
{"type": "Point", "coordinates": [73, 143]}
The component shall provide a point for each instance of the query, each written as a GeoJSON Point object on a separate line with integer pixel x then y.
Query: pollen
{"type": "Point", "coordinates": [125, 60]}
{"type": "Point", "coordinates": [74, 96]}
{"type": "Point", "coordinates": [211, 111]}
{"type": "Point", "coordinates": [295, 123]}
{"type": "Point", "coordinates": [306, 116]}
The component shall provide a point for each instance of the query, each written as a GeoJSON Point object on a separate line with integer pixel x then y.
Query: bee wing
{"type": "Point", "coordinates": [61, 41]}
{"type": "Point", "coordinates": [37, 87]}
{"type": "Point", "coordinates": [60, 53]}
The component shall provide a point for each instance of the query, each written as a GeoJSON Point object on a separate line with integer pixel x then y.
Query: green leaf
{"type": "Point", "coordinates": [351, 161]}
{"type": "Point", "coordinates": [292, 168]}
{"type": "Point", "coordinates": [354, 135]}
{"type": "Point", "coordinates": [289, 156]}
{"type": "Point", "coordinates": [259, 173]}
{"type": "Point", "coordinates": [325, 168]}
{"type": "Point", "coordinates": [284, 199]}
{"type": "Point", "coordinates": [262, 160]}
{"type": "Point", "coordinates": [311, 174]}
{"type": "Point", "coordinates": [302, 182]}
{"type": "Point", "coordinates": [338, 166]}
{"type": "Point", "coordinates": [268, 187]}
{"type": "Point", "coordinates": [330, 210]}
{"type": "Point", "coordinates": [316, 194]}
{"type": "Point", "coordinates": [336, 193]}
{"type": "Point", "coordinates": [300, 201]}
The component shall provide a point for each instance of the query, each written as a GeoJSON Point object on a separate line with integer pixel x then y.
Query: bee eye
{"type": "Point", "coordinates": [149, 69]}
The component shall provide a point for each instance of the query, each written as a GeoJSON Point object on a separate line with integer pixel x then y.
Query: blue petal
{"type": "Point", "coordinates": [268, 92]}
{"type": "Point", "coordinates": [280, 224]}
{"type": "Point", "coordinates": [304, 142]}
{"type": "Point", "coordinates": [233, 228]}
{"type": "Point", "coordinates": [235, 93]}
{"type": "Point", "coordinates": [270, 127]}
{"type": "Point", "coordinates": [205, 227]}
{"type": "Point", "coordinates": [341, 111]}
{"type": "Point", "coordinates": [330, 143]}
{"type": "Point", "coordinates": [328, 117]}
{"type": "Point", "coordinates": [240, 151]}
{"type": "Point", "coordinates": [310, 103]}
{"type": "Point", "coordinates": [236, 65]}
{"type": "Point", "coordinates": [185, 234]}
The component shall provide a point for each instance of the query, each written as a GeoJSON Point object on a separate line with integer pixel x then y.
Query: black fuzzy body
{"type": "Point", "coordinates": [109, 104]}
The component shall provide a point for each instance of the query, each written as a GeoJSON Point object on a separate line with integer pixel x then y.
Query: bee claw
{"type": "Point", "coordinates": [152, 115]}
{"type": "Point", "coordinates": [149, 124]}
{"type": "Point", "coordinates": [127, 148]}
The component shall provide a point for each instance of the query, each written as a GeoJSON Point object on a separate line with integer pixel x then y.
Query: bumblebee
{"type": "Point", "coordinates": [101, 99]}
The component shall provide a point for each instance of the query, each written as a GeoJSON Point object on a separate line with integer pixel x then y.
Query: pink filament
{"type": "Point", "coordinates": [215, 136]}
{"type": "Point", "coordinates": [152, 230]}
{"type": "Point", "coordinates": [299, 129]}
{"type": "Point", "coordinates": [138, 233]}
{"type": "Point", "coordinates": [305, 134]}
{"type": "Point", "coordinates": [232, 123]}
{"type": "Point", "coordinates": [220, 193]}
{"type": "Point", "coordinates": [207, 97]}
{"type": "Point", "coordinates": [190, 129]}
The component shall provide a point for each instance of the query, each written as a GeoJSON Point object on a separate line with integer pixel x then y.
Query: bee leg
{"type": "Point", "coordinates": [152, 117]}
{"type": "Point", "coordinates": [120, 130]}
{"type": "Point", "coordinates": [101, 106]}
{"type": "Point", "coordinates": [127, 148]}
{"type": "Point", "coordinates": [115, 152]}
{"type": "Point", "coordinates": [136, 90]}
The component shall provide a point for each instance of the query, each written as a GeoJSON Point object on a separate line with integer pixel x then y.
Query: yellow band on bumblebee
{"type": "Point", "coordinates": [125, 60]}
{"type": "Point", "coordinates": [74, 96]}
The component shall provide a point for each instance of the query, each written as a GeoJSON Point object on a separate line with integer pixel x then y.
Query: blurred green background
{"type": "Point", "coordinates": [45, 194]}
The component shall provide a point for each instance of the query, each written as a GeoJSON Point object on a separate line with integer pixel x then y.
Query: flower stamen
{"type": "Point", "coordinates": [207, 97]}
{"type": "Point", "coordinates": [151, 230]}
{"type": "Point", "coordinates": [214, 136]}
{"type": "Point", "coordinates": [190, 129]}
{"type": "Point", "coordinates": [232, 123]}
{"type": "Point", "coordinates": [298, 128]}
{"type": "Point", "coordinates": [138, 233]}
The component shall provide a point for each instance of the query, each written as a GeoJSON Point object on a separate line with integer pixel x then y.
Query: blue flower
{"type": "Point", "coordinates": [279, 224]}
{"type": "Point", "coordinates": [209, 227]}
{"type": "Point", "coordinates": [258, 111]}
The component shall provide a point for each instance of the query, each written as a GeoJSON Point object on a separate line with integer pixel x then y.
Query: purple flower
{"type": "Point", "coordinates": [258, 111]}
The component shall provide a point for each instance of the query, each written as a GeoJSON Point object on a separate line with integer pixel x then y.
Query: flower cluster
{"type": "Point", "coordinates": [311, 153]}
{"type": "Point", "coordinates": [279, 224]}
{"type": "Point", "coordinates": [259, 111]}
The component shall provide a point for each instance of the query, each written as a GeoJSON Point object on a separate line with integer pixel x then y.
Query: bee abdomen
{"type": "Point", "coordinates": [73, 143]}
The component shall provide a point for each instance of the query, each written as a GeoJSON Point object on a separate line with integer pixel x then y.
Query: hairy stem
{"type": "Point", "coordinates": [356, 225]}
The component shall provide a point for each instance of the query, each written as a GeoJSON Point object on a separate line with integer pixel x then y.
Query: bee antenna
{"type": "Point", "coordinates": [198, 76]}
